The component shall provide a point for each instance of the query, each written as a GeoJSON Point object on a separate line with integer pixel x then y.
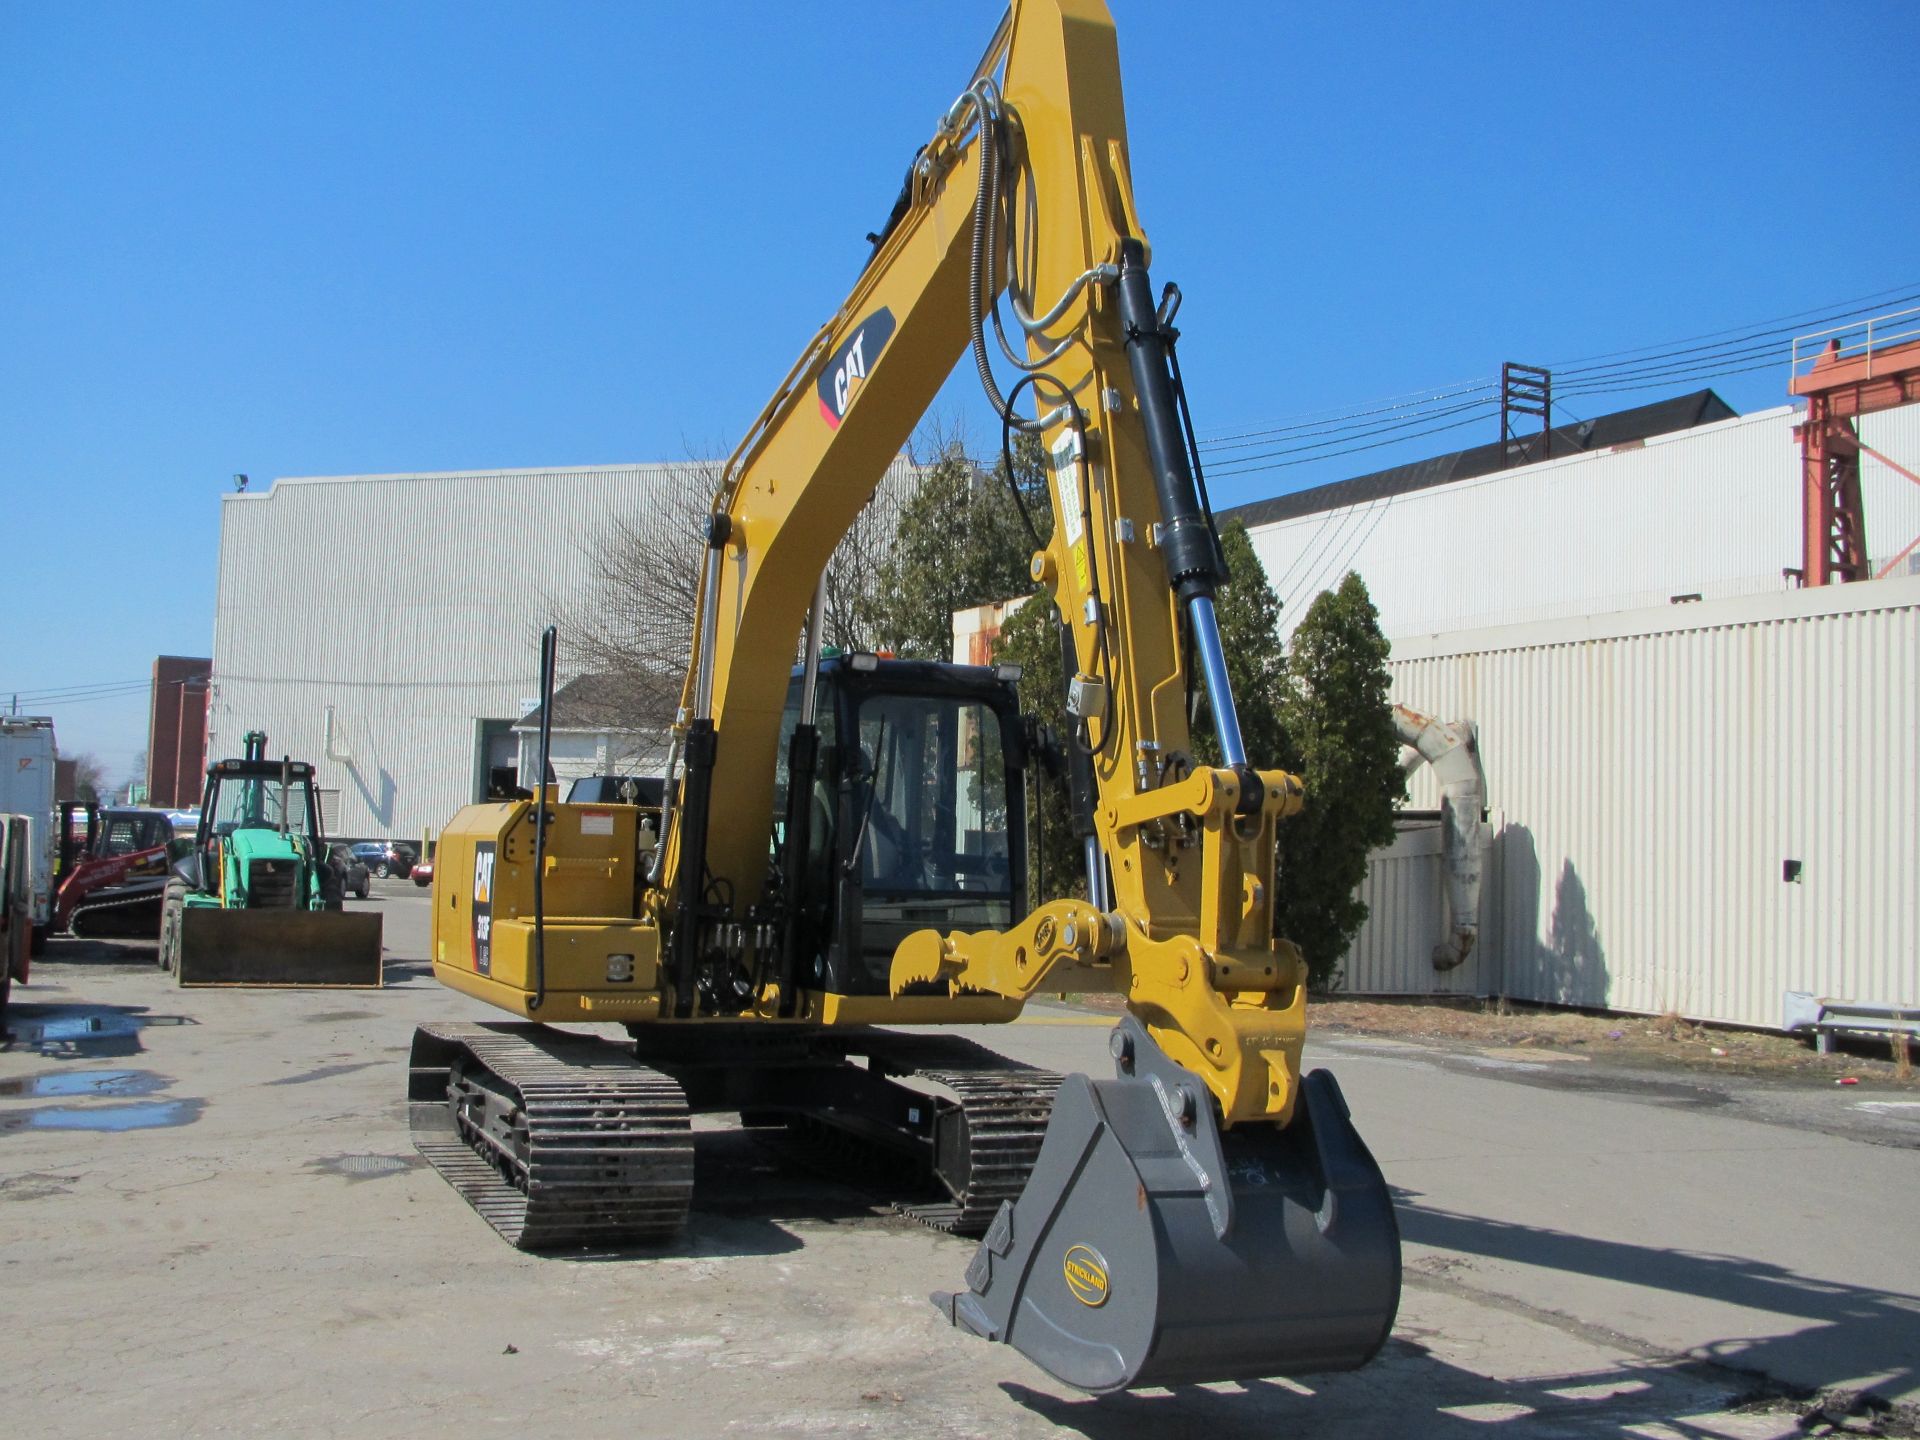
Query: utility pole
{"type": "Point", "coordinates": [1525, 390]}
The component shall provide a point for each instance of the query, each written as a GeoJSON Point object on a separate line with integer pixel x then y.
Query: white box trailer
{"type": "Point", "coordinates": [26, 788]}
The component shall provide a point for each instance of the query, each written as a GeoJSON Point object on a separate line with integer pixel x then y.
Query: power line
{"type": "Point", "coordinates": [1874, 301]}
{"type": "Point", "coordinates": [1327, 432]}
{"type": "Point", "coordinates": [1359, 432]}
{"type": "Point", "coordinates": [1315, 422]}
{"type": "Point", "coordinates": [1666, 381]}
{"type": "Point", "coordinates": [1305, 440]}
{"type": "Point", "coordinates": [1318, 544]}
{"type": "Point", "coordinates": [26, 694]}
{"type": "Point", "coordinates": [86, 699]}
{"type": "Point", "coordinates": [1341, 557]}
{"type": "Point", "coordinates": [1663, 365]}
{"type": "Point", "coordinates": [1485, 413]}
{"type": "Point", "coordinates": [44, 702]}
{"type": "Point", "coordinates": [1746, 339]}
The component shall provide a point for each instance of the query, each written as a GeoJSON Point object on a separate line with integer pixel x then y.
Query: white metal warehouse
{"type": "Point", "coordinates": [1702, 780]}
{"type": "Point", "coordinates": [1705, 509]}
{"type": "Point", "coordinates": [1696, 808]}
{"type": "Point", "coordinates": [387, 627]}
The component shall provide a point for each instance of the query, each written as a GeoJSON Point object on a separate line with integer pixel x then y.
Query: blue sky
{"type": "Point", "coordinates": [288, 240]}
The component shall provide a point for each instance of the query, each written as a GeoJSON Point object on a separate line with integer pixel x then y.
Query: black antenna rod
{"type": "Point", "coordinates": [549, 646]}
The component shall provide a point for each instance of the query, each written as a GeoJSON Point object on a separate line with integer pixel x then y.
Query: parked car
{"type": "Point", "coordinates": [385, 857]}
{"type": "Point", "coordinates": [353, 870]}
{"type": "Point", "coordinates": [423, 874]}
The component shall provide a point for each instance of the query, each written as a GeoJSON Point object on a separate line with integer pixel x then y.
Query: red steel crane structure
{"type": "Point", "coordinates": [1856, 372]}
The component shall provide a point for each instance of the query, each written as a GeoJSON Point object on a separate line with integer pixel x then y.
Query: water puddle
{"type": "Point", "coordinates": [116, 1084]}
{"type": "Point", "coordinates": [79, 1027]}
{"type": "Point", "coordinates": [106, 1119]}
{"type": "Point", "coordinates": [65, 1036]}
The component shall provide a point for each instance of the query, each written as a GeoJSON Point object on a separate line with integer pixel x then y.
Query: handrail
{"type": "Point", "coordinates": [1868, 345]}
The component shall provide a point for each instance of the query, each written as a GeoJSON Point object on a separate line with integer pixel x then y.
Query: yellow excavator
{"type": "Point", "coordinates": [841, 848]}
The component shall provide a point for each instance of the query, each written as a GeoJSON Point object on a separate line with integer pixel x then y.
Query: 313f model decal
{"type": "Point", "coordinates": [482, 908]}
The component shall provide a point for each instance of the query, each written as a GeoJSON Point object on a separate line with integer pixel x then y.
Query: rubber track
{"type": "Point", "coordinates": [610, 1149]}
{"type": "Point", "coordinates": [155, 897]}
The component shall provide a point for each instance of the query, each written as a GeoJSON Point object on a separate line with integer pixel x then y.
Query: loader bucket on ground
{"type": "Point", "coordinates": [321, 948]}
{"type": "Point", "coordinates": [1151, 1248]}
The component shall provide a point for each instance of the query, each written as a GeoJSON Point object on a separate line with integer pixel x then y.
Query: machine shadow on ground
{"type": "Point", "coordinates": [105, 953]}
{"type": "Point", "coordinates": [1851, 1330]}
{"type": "Point", "coordinates": [1406, 1391]}
{"type": "Point", "coordinates": [749, 1189]}
{"type": "Point", "coordinates": [1410, 1390]}
{"type": "Point", "coordinates": [398, 974]}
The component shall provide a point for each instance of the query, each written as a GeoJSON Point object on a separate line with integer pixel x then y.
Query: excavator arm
{"type": "Point", "coordinates": [1185, 931]}
{"type": "Point", "coordinates": [1206, 1214]}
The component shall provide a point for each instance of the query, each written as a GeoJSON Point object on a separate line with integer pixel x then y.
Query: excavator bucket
{"type": "Point", "coordinates": [1152, 1248]}
{"type": "Point", "coordinates": [319, 948]}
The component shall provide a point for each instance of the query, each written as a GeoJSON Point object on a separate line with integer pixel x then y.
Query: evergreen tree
{"type": "Point", "coordinates": [1340, 739]}
{"type": "Point", "coordinates": [1030, 638]}
{"type": "Point", "coordinates": [1321, 712]}
{"type": "Point", "coordinates": [960, 543]}
{"type": "Point", "coordinates": [1248, 613]}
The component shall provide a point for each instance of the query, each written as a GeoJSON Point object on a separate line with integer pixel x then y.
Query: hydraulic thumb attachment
{"type": "Point", "coordinates": [1152, 1248]}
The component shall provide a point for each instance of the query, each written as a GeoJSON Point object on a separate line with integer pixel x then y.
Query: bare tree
{"type": "Point", "coordinates": [853, 573]}
{"type": "Point", "coordinates": [89, 779]}
{"type": "Point", "coordinates": [633, 625]}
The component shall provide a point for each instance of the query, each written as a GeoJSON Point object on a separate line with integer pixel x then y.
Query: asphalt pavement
{"type": "Point", "coordinates": [215, 1224]}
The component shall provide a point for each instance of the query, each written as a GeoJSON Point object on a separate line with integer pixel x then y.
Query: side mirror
{"type": "Point", "coordinates": [1043, 745]}
{"type": "Point", "coordinates": [191, 867]}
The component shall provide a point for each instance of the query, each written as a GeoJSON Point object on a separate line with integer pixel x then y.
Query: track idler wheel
{"type": "Point", "coordinates": [1151, 1248]}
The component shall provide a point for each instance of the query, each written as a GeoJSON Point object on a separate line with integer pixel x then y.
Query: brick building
{"type": "Point", "coordinates": [177, 731]}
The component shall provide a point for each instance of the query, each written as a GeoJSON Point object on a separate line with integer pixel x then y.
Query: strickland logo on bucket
{"type": "Point", "coordinates": [847, 367]}
{"type": "Point", "coordinates": [1086, 1272]}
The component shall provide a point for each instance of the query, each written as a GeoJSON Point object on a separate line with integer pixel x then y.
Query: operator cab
{"type": "Point", "coordinates": [259, 795]}
{"type": "Point", "coordinates": [916, 812]}
{"type": "Point", "coordinates": [253, 793]}
{"type": "Point", "coordinates": [93, 832]}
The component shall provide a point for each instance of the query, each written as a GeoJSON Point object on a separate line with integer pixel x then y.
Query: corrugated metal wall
{"type": "Point", "coordinates": [412, 605]}
{"type": "Point", "coordinates": [1656, 770]}
{"type": "Point", "coordinates": [1406, 920]}
{"type": "Point", "coordinates": [1713, 511]}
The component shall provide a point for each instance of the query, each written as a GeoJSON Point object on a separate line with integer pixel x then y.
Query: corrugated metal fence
{"type": "Point", "coordinates": [1702, 807]}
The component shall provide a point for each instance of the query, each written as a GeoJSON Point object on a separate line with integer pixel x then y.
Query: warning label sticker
{"type": "Point", "coordinates": [1073, 520]}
